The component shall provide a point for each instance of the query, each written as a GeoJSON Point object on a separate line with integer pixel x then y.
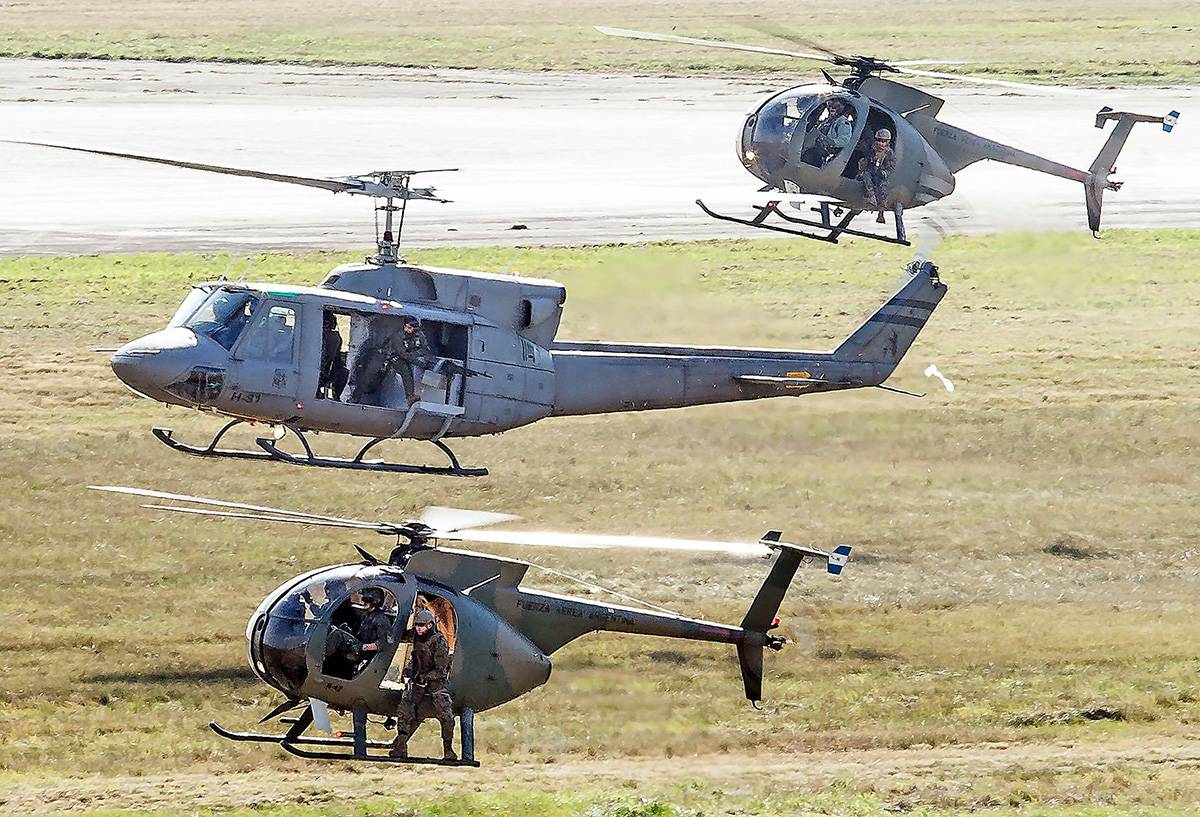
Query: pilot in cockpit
{"type": "Point", "coordinates": [833, 133]}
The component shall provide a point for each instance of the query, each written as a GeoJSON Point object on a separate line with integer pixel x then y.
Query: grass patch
{"type": "Point", "coordinates": [1103, 41]}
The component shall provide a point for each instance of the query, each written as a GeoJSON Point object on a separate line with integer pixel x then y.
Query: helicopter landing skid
{"type": "Point", "coordinates": [357, 463]}
{"type": "Point", "coordinates": [271, 452]}
{"type": "Point", "coordinates": [293, 745]}
{"type": "Point", "coordinates": [421, 761]}
{"type": "Point", "coordinates": [833, 230]}
{"type": "Point", "coordinates": [167, 436]}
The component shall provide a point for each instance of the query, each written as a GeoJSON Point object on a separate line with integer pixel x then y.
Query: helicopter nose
{"type": "Point", "coordinates": [149, 364]}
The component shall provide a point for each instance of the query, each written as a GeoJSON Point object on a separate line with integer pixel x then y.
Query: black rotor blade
{"type": "Point", "coordinates": [325, 184]}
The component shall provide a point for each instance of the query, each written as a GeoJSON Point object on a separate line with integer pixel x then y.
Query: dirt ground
{"type": "Point", "coordinates": [914, 773]}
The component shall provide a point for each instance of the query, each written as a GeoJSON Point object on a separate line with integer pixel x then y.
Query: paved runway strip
{"type": "Point", "coordinates": [576, 158]}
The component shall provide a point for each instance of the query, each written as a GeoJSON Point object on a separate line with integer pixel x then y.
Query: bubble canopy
{"type": "Point", "coordinates": [281, 629]}
{"type": "Point", "coordinates": [781, 131]}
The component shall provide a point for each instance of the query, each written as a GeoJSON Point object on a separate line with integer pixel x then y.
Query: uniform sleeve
{"type": "Point", "coordinates": [840, 133]}
{"type": "Point", "coordinates": [441, 658]}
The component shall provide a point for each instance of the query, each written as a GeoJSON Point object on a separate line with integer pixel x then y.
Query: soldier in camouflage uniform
{"type": "Point", "coordinates": [428, 694]}
{"type": "Point", "coordinates": [874, 170]}
{"type": "Point", "coordinates": [411, 350]}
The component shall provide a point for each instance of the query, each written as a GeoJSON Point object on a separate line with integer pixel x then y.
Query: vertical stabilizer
{"type": "Point", "coordinates": [887, 334]}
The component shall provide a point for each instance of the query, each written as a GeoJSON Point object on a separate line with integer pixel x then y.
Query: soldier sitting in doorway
{"type": "Point", "coordinates": [428, 693]}
{"type": "Point", "coordinates": [385, 350]}
{"type": "Point", "coordinates": [413, 352]}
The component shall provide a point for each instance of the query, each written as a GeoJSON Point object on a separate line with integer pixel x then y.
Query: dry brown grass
{"type": "Point", "coordinates": [1073, 423]}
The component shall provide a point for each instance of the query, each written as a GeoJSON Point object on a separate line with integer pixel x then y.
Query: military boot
{"type": "Point", "coordinates": [448, 742]}
{"type": "Point", "coordinates": [399, 747]}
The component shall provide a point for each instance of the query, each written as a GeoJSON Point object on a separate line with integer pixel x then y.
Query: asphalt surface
{"type": "Point", "coordinates": [573, 158]}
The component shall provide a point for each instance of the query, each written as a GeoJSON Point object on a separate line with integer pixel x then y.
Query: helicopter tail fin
{"type": "Point", "coordinates": [1105, 162]}
{"type": "Point", "coordinates": [886, 335]}
{"type": "Point", "coordinates": [760, 619]}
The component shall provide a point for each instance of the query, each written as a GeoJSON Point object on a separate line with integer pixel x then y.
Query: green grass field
{"type": "Point", "coordinates": [1017, 636]}
{"type": "Point", "coordinates": [1100, 42]}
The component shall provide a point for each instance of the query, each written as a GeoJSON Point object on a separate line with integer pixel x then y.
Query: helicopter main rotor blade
{"type": "Point", "coordinates": [449, 520]}
{"type": "Point", "coordinates": [674, 38]}
{"type": "Point", "coordinates": [585, 540]}
{"type": "Point", "coordinates": [332, 185]}
{"type": "Point", "coordinates": [1000, 83]}
{"type": "Point", "coordinates": [242, 506]}
{"type": "Point", "coordinates": [267, 518]}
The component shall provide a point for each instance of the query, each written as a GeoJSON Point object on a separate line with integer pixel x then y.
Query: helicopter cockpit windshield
{"type": "Point", "coordinates": [805, 125]}
{"type": "Point", "coordinates": [222, 315]}
{"type": "Point", "coordinates": [322, 616]}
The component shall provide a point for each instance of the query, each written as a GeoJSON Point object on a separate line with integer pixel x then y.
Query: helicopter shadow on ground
{"type": "Point", "coordinates": [181, 676]}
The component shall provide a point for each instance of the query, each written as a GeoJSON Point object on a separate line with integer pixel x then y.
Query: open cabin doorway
{"type": "Point", "coordinates": [446, 621]}
{"type": "Point", "coordinates": [363, 361]}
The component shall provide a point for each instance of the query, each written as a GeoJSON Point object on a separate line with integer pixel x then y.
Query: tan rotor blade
{"type": "Point", "coordinates": [1000, 83]}
{"type": "Point", "coordinates": [242, 506]}
{"type": "Point", "coordinates": [585, 540]}
{"type": "Point", "coordinates": [265, 518]}
{"type": "Point", "coordinates": [673, 38]}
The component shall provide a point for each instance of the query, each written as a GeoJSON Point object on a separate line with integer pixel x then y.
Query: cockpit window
{"type": "Point", "coordinates": [190, 304]}
{"type": "Point", "coordinates": [222, 316]}
{"type": "Point", "coordinates": [272, 337]}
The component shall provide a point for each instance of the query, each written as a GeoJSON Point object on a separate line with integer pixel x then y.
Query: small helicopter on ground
{"type": "Point", "coordinates": [272, 353]}
{"type": "Point", "coordinates": [501, 635]}
{"type": "Point", "coordinates": [785, 142]}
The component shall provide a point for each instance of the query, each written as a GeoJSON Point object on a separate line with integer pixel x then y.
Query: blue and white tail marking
{"type": "Point", "coordinates": [838, 559]}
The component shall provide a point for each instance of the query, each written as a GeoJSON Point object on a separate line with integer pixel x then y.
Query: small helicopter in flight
{"type": "Point", "coordinates": [819, 139]}
{"type": "Point", "coordinates": [300, 639]}
{"type": "Point", "coordinates": [274, 354]}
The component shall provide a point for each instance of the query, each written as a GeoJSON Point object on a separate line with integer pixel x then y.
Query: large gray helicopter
{"type": "Point", "coordinates": [300, 639]}
{"type": "Point", "coordinates": [321, 358]}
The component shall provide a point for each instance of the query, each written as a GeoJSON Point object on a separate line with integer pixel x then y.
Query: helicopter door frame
{"type": "Point", "coordinates": [270, 381]}
{"type": "Point", "coordinates": [446, 617]}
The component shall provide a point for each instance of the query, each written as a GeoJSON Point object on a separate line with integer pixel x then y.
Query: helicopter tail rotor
{"type": "Point", "coordinates": [761, 618]}
{"type": "Point", "coordinates": [1105, 163]}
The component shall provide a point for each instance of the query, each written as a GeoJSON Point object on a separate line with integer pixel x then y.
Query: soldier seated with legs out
{"type": "Point", "coordinates": [412, 351]}
{"type": "Point", "coordinates": [428, 694]}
